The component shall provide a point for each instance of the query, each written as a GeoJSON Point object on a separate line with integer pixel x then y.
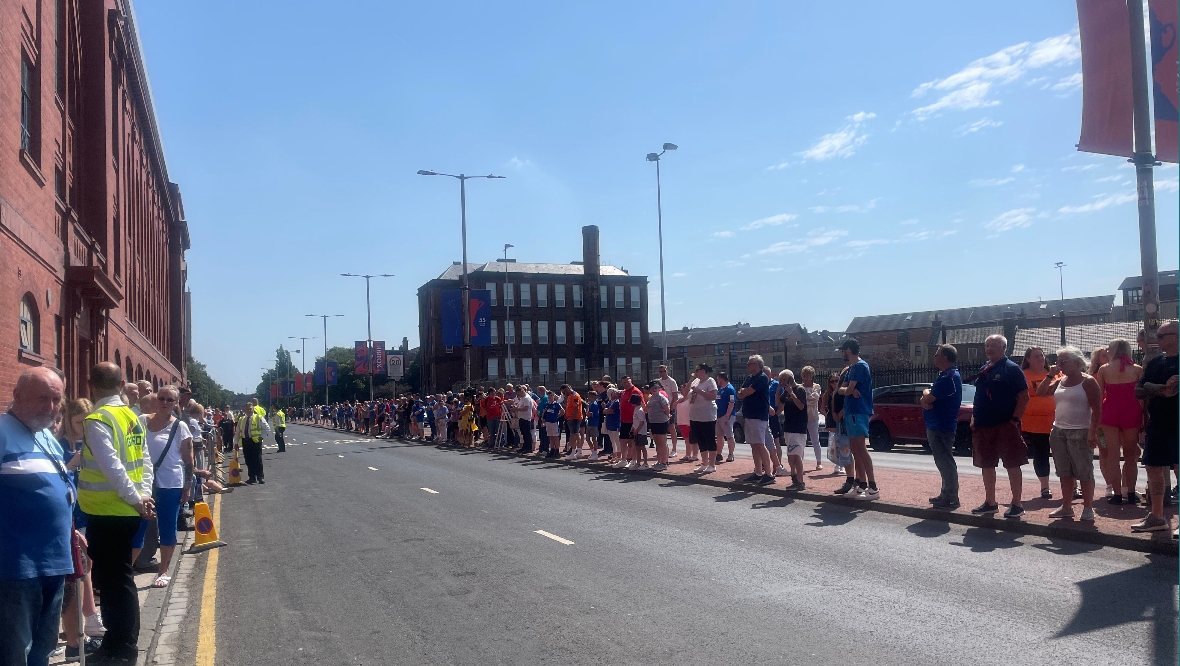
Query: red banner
{"type": "Point", "coordinates": [299, 382]}
{"type": "Point", "coordinates": [361, 357]}
{"type": "Point", "coordinates": [1107, 103]}
{"type": "Point", "coordinates": [274, 390]}
{"type": "Point", "coordinates": [1165, 62]}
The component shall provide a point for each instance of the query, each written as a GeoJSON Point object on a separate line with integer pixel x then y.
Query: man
{"type": "Point", "coordinates": [1159, 387]}
{"type": "Point", "coordinates": [755, 397]}
{"type": "Point", "coordinates": [775, 449]}
{"type": "Point", "coordinates": [940, 412]}
{"type": "Point", "coordinates": [35, 522]}
{"type": "Point", "coordinates": [792, 402]}
{"type": "Point", "coordinates": [670, 389]}
{"type": "Point", "coordinates": [1001, 396]}
{"type": "Point", "coordinates": [857, 390]}
{"type": "Point", "coordinates": [131, 397]}
{"type": "Point", "coordinates": [726, 408]}
{"type": "Point", "coordinates": [279, 423]}
{"type": "Point", "coordinates": [115, 492]}
{"type": "Point", "coordinates": [627, 417]}
{"type": "Point", "coordinates": [494, 408]}
{"type": "Point", "coordinates": [227, 426]}
{"type": "Point", "coordinates": [574, 420]}
{"type": "Point", "coordinates": [253, 429]}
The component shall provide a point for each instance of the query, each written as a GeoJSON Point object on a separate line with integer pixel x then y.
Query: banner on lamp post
{"type": "Point", "coordinates": [361, 357]}
{"type": "Point", "coordinates": [379, 359]}
{"type": "Point", "coordinates": [452, 317]}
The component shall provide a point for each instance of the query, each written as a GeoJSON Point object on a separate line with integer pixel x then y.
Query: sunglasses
{"type": "Point", "coordinates": [167, 399]}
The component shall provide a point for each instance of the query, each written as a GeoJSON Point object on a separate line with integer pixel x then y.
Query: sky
{"type": "Point", "coordinates": [835, 159]}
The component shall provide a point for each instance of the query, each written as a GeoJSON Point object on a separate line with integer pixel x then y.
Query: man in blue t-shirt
{"type": "Point", "coordinates": [726, 408]}
{"type": "Point", "coordinates": [857, 389]}
{"type": "Point", "coordinates": [1001, 396]}
{"type": "Point", "coordinates": [755, 397]}
{"type": "Point", "coordinates": [940, 412]}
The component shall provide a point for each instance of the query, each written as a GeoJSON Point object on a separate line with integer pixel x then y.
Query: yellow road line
{"type": "Point", "coordinates": [207, 629]}
{"type": "Point", "coordinates": [556, 538]}
{"type": "Point", "coordinates": [432, 492]}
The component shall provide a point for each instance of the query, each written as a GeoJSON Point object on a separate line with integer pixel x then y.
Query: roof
{"type": "Point", "coordinates": [966, 336]}
{"type": "Point", "coordinates": [455, 270]}
{"type": "Point", "coordinates": [716, 335]}
{"type": "Point", "coordinates": [1084, 336]}
{"type": "Point", "coordinates": [983, 314]}
{"type": "Point", "coordinates": [1165, 277]}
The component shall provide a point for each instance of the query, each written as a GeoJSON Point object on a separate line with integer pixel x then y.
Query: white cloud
{"type": "Point", "coordinates": [1101, 201]}
{"type": "Point", "coordinates": [969, 88]}
{"type": "Point", "coordinates": [867, 243]}
{"type": "Point", "coordinates": [1017, 168]}
{"type": "Point", "coordinates": [990, 182]}
{"type": "Point", "coordinates": [841, 143]}
{"type": "Point", "coordinates": [819, 209]}
{"type": "Point", "coordinates": [772, 221]}
{"type": "Point", "coordinates": [813, 239]}
{"type": "Point", "coordinates": [1080, 167]}
{"type": "Point", "coordinates": [723, 234]}
{"type": "Point", "coordinates": [679, 274]}
{"type": "Point", "coordinates": [1069, 83]}
{"type": "Point", "coordinates": [1108, 179]}
{"type": "Point", "coordinates": [926, 234]}
{"type": "Point", "coordinates": [518, 164]}
{"type": "Point", "coordinates": [773, 270]}
{"type": "Point", "coordinates": [982, 123]}
{"type": "Point", "coordinates": [862, 116]}
{"type": "Point", "coordinates": [1167, 185]}
{"type": "Point", "coordinates": [1017, 218]}
{"type": "Point", "coordinates": [858, 208]}
{"type": "Point", "coordinates": [780, 165]}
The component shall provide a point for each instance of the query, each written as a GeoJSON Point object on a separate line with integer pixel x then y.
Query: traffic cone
{"type": "Point", "coordinates": [206, 537]}
{"type": "Point", "coordinates": [235, 471]}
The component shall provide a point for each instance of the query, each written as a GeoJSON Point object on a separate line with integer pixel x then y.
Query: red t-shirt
{"type": "Point", "coordinates": [628, 415]}
{"type": "Point", "coordinates": [492, 408]}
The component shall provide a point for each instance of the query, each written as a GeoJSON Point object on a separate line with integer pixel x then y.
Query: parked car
{"type": "Point", "coordinates": [739, 429]}
{"type": "Point", "coordinates": [897, 417]}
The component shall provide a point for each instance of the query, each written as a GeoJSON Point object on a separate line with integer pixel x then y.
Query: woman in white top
{"type": "Point", "coordinates": [169, 444]}
{"type": "Point", "coordinates": [813, 391]}
{"type": "Point", "coordinates": [1076, 417]}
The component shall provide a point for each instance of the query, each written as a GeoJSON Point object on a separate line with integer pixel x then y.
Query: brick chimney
{"type": "Point", "coordinates": [591, 286]}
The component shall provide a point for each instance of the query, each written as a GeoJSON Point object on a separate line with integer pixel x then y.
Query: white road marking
{"type": "Point", "coordinates": [339, 456]}
{"type": "Point", "coordinates": [565, 542]}
{"type": "Point", "coordinates": [373, 468]}
{"type": "Point", "coordinates": [432, 492]}
{"type": "Point", "coordinates": [319, 448]}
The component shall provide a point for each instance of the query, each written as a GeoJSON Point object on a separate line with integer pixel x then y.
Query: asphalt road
{"type": "Point", "coordinates": [334, 562]}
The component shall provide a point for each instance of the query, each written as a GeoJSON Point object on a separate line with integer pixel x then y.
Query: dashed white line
{"type": "Point", "coordinates": [373, 468]}
{"type": "Point", "coordinates": [339, 456]}
{"type": "Point", "coordinates": [565, 542]}
{"type": "Point", "coordinates": [432, 492]}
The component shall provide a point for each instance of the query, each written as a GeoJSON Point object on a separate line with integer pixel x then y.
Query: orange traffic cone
{"type": "Point", "coordinates": [235, 471]}
{"type": "Point", "coordinates": [206, 531]}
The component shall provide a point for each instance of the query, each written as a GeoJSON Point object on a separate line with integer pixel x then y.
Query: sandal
{"type": "Point", "coordinates": [161, 581]}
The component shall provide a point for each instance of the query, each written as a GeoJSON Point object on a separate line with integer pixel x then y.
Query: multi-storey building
{"type": "Point", "coordinates": [1132, 290]}
{"type": "Point", "coordinates": [92, 232]}
{"type": "Point", "coordinates": [550, 323]}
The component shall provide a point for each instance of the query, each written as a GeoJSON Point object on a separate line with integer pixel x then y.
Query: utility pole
{"type": "Point", "coordinates": [1061, 279]}
{"type": "Point", "coordinates": [325, 317]}
{"type": "Point", "coordinates": [303, 361]}
{"type": "Point", "coordinates": [1144, 181]}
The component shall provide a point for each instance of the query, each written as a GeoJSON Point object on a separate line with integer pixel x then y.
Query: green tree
{"type": "Point", "coordinates": [205, 390]}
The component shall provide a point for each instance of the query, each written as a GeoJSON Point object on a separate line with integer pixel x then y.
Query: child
{"type": "Point", "coordinates": [593, 423]}
{"type": "Point", "coordinates": [639, 433]}
{"type": "Point", "coordinates": [552, 415]}
{"type": "Point", "coordinates": [440, 421]}
{"type": "Point", "coordinates": [453, 421]}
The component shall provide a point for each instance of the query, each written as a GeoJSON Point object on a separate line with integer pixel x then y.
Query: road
{"type": "Point", "coordinates": [345, 556]}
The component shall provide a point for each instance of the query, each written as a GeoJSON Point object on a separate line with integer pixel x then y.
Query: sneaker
{"type": "Point", "coordinates": [659, 467]}
{"type": "Point", "coordinates": [838, 470]}
{"type": "Point", "coordinates": [94, 626]}
{"type": "Point", "coordinates": [710, 469]}
{"type": "Point", "coordinates": [819, 465]}
{"type": "Point", "coordinates": [593, 457]}
{"type": "Point", "coordinates": [1133, 498]}
{"type": "Point", "coordinates": [869, 494]}
{"type": "Point", "coordinates": [766, 480]}
{"type": "Point", "coordinates": [946, 504]}
{"type": "Point", "coordinates": [1088, 514]}
{"type": "Point", "coordinates": [730, 458]}
{"type": "Point", "coordinates": [644, 466]}
{"type": "Point", "coordinates": [1014, 512]}
{"type": "Point", "coordinates": [849, 483]}
{"type": "Point", "coordinates": [699, 468]}
{"type": "Point", "coordinates": [986, 509]}
{"type": "Point", "coordinates": [1062, 512]}
{"type": "Point", "coordinates": [628, 465]}
{"type": "Point", "coordinates": [1150, 524]}
{"type": "Point", "coordinates": [92, 645]}
{"type": "Point", "coordinates": [798, 485]}
{"type": "Point", "coordinates": [1046, 493]}
{"type": "Point", "coordinates": [1109, 491]}
{"type": "Point", "coordinates": [261, 480]}
{"type": "Point", "coordinates": [719, 458]}
{"type": "Point", "coordinates": [853, 491]}
{"type": "Point", "coordinates": [1114, 499]}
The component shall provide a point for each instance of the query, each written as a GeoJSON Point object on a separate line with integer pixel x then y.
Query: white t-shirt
{"type": "Point", "coordinates": [523, 407]}
{"type": "Point", "coordinates": [170, 473]}
{"type": "Point", "coordinates": [813, 393]}
{"type": "Point", "coordinates": [703, 409]}
{"type": "Point", "coordinates": [670, 387]}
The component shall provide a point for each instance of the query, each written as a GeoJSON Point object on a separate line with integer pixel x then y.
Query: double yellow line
{"type": "Point", "coordinates": [207, 629]}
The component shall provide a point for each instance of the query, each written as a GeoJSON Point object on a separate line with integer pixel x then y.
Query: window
{"type": "Point", "coordinates": [561, 365]}
{"type": "Point", "coordinates": [494, 331]}
{"type": "Point", "coordinates": [542, 332]}
{"type": "Point", "coordinates": [30, 334]}
{"type": "Point", "coordinates": [605, 333]}
{"type": "Point", "coordinates": [526, 332]}
{"type": "Point", "coordinates": [634, 297]}
{"type": "Point", "coordinates": [579, 364]}
{"type": "Point", "coordinates": [618, 297]}
{"type": "Point", "coordinates": [777, 361]}
{"type": "Point", "coordinates": [28, 108]}
{"type": "Point", "coordinates": [602, 296]}
{"type": "Point", "coordinates": [776, 345]}
{"type": "Point", "coordinates": [543, 366]}
{"type": "Point", "coordinates": [559, 332]}
{"type": "Point", "coordinates": [509, 293]}
{"type": "Point", "coordinates": [510, 332]}
{"type": "Point", "coordinates": [621, 364]}
{"type": "Point", "coordinates": [917, 350]}
{"type": "Point", "coordinates": [449, 350]}
{"type": "Point", "coordinates": [973, 354]}
{"type": "Point", "coordinates": [526, 366]}
{"type": "Point", "coordinates": [509, 367]}
{"type": "Point", "coordinates": [577, 295]}
{"type": "Point", "coordinates": [1132, 296]}
{"type": "Point", "coordinates": [634, 332]}
{"type": "Point", "coordinates": [525, 300]}
{"type": "Point", "coordinates": [542, 295]}
{"type": "Point", "coordinates": [636, 366]}
{"type": "Point", "coordinates": [493, 368]}
{"type": "Point", "coordinates": [559, 295]}
{"type": "Point", "coordinates": [718, 349]}
{"type": "Point", "coordinates": [620, 333]}
{"type": "Point", "coordinates": [491, 287]}
{"type": "Point", "coordinates": [579, 332]}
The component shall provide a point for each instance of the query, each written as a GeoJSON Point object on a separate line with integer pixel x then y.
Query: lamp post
{"type": "Point", "coordinates": [326, 401]}
{"type": "Point", "coordinates": [1061, 279]}
{"type": "Point", "coordinates": [507, 310]}
{"type": "Point", "coordinates": [302, 360]}
{"type": "Point", "coordinates": [655, 157]}
{"type": "Point", "coordinates": [465, 288]}
{"type": "Point", "coordinates": [369, 318]}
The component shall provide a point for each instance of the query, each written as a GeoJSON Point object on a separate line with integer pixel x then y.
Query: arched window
{"type": "Point", "coordinates": [30, 328]}
{"type": "Point", "coordinates": [118, 359]}
{"type": "Point", "coordinates": [130, 373]}
{"type": "Point", "coordinates": [138, 372]}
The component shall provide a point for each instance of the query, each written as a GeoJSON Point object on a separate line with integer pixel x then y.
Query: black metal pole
{"type": "Point", "coordinates": [1144, 181]}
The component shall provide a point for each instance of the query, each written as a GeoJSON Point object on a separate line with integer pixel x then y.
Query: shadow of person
{"type": "Point", "coordinates": [1067, 547]}
{"type": "Point", "coordinates": [773, 504]}
{"type": "Point", "coordinates": [1144, 594]}
{"type": "Point", "coordinates": [733, 496]}
{"type": "Point", "coordinates": [832, 514]}
{"type": "Point", "coordinates": [986, 540]}
{"type": "Point", "coordinates": [929, 528]}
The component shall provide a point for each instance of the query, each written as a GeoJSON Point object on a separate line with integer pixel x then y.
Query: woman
{"type": "Point", "coordinates": [72, 429]}
{"type": "Point", "coordinates": [1037, 421]}
{"type": "Point", "coordinates": [831, 403]}
{"type": "Point", "coordinates": [659, 417]}
{"type": "Point", "coordinates": [813, 392]}
{"type": "Point", "coordinates": [1098, 358]}
{"type": "Point", "coordinates": [1122, 417]}
{"type": "Point", "coordinates": [1076, 409]}
{"type": "Point", "coordinates": [169, 445]}
{"type": "Point", "coordinates": [612, 419]}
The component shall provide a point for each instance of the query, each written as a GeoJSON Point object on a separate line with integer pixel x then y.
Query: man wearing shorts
{"type": "Point", "coordinates": [792, 404]}
{"type": "Point", "coordinates": [755, 397]}
{"type": "Point", "coordinates": [726, 406]}
{"type": "Point", "coordinates": [523, 409]}
{"type": "Point", "coordinates": [1159, 387]}
{"type": "Point", "coordinates": [626, 417]}
{"type": "Point", "coordinates": [1001, 396]}
{"type": "Point", "coordinates": [857, 390]}
{"type": "Point", "coordinates": [574, 420]}
{"type": "Point", "coordinates": [670, 390]}
{"type": "Point", "coordinates": [702, 416]}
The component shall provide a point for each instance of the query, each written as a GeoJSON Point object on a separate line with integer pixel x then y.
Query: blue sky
{"type": "Point", "coordinates": [836, 159]}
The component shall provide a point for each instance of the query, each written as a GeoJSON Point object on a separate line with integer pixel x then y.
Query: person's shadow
{"type": "Point", "coordinates": [1147, 593]}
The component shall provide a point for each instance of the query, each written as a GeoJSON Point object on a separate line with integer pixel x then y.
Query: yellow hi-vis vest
{"type": "Point", "coordinates": [96, 495]}
{"type": "Point", "coordinates": [250, 426]}
{"type": "Point", "coordinates": [280, 419]}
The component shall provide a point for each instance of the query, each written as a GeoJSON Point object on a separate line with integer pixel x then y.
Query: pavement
{"type": "Point", "coordinates": [361, 551]}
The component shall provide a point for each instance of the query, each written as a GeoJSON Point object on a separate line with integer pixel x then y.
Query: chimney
{"type": "Point", "coordinates": [590, 250]}
{"type": "Point", "coordinates": [591, 287]}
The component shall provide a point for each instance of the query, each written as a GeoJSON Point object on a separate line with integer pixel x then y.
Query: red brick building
{"type": "Point", "coordinates": [92, 233]}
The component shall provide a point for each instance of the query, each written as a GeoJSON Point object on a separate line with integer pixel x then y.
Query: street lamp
{"type": "Point", "coordinates": [369, 316]}
{"type": "Point", "coordinates": [655, 157]}
{"type": "Point", "coordinates": [326, 401]}
{"type": "Point", "coordinates": [507, 309]}
{"type": "Point", "coordinates": [303, 360]}
{"type": "Point", "coordinates": [465, 289]}
{"type": "Point", "coordinates": [1061, 278]}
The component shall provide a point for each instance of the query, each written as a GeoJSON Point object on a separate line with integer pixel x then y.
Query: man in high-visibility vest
{"type": "Point", "coordinates": [278, 421]}
{"type": "Point", "coordinates": [253, 429]}
{"type": "Point", "coordinates": [115, 491]}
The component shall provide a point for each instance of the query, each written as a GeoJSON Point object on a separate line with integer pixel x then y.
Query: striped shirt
{"type": "Point", "coordinates": [36, 520]}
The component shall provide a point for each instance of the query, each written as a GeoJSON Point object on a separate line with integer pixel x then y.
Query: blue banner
{"type": "Point", "coordinates": [452, 317]}
{"type": "Point", "coordinates": [333, 373]}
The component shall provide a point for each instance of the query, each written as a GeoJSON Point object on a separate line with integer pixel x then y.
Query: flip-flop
{"type": "Point", "coordinates": [161, 581]}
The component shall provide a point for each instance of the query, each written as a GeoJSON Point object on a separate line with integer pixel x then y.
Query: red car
{"type": "Point", "coordinates": [897, 417]}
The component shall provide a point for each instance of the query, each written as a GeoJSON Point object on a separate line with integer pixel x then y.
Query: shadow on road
{"type": "Point", "coordinates": [1066, 547]}
{"type": "Point", "coordinates": [734, 496]}
{"type": "Point", "coordinates": [777, 503]}
{"type": "Point", "coordinates": [832, 514]}
{"type": "Point", "coordinates": [987, 540]}
{"type": "Point", "coordinates": [929, 528]}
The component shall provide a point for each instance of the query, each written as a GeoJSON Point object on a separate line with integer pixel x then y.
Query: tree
{"type": "Point", "coordinates": [205, 390]}
{"type": "Point", "coordinates": [284, 369]}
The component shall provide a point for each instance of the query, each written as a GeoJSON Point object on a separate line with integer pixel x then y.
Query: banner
{"type": "Point", "coordinates": [331, 372]}
{"type": "Point", "coordinates": [274, 390]}
{"type": "Point", "coordinates": [396, 366]}
{"type": "Point", "coordinates": [361, 357]}
{"type": "Point", "coordinates": [1107, 101]}
{"type": "Point", "coordinates": [318, 373]}
{"type": "Point", "coordinates": [452, 317]}
{"type": "Point", "coordinates": [1165, 60]}
{"type": "Point", "coordinates": [379, 357]}
{"type": "Point", "coordinates": [299, 382]}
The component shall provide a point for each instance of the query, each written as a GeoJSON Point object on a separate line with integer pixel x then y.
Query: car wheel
{"type": "Point", "coordinates": [963, 440]}
{"type": "Point", "coordinates": [739, 433]}
{"type": "Point", "coordinates": [879, 437]}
